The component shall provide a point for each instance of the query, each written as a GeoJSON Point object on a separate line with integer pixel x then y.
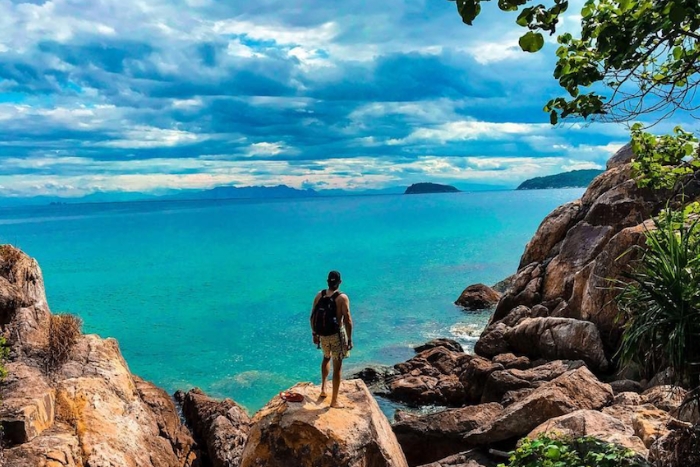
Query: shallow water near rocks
{"type": "Point", "coordinates": [217, 294]}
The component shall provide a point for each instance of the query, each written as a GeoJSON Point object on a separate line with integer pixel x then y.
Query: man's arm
{"type": "Point", "coordinates": [311, 318]}
{"type": "Point", "coordinates": [347, 319]}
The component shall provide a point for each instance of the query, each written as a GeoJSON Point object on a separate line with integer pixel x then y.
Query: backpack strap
{"type": "Point", "coordinates": [323, 293]}
{"type": "Point", "coordinates": [336, 295]}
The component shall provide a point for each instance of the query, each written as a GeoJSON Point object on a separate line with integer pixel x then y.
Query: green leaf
{"type": "Point", "coordinates": [677, 14]}
{"type": "Point", "coordinates": [524, 17]}
{"type": "Point", "coordinates": [553, 117]}
{"type": "Point", "coordinates": [531, 42]}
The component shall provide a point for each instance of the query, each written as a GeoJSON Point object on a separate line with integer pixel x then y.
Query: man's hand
{"type": "Point", "coordinates": [349, 345]}
{"type": "Point", "coordinates": [317, 340]}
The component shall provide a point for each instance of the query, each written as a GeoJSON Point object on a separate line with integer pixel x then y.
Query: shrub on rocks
{"type": "Point", "coordinates": [63, 332]}
{"type": "Point", "coordinates": [545, 451]}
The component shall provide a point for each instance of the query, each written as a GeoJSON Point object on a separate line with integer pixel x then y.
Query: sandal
{"type": "Point", "coordinates": [291, 396]}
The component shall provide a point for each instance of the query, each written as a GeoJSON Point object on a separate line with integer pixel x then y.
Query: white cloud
{"type": "Point", "coordinates": [150, 137]}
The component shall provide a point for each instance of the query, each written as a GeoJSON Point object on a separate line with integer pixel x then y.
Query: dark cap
{"type": "Point", "coordinates": [333, 278]}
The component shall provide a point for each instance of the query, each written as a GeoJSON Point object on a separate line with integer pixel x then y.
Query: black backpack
{"type": "Point", "coordinates": [325, 315]}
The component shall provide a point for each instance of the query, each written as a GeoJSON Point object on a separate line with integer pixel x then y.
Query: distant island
{"type": "Point", "coordinates": [421, 188]}
{"type": "Point", "coordinates": [573, 179]}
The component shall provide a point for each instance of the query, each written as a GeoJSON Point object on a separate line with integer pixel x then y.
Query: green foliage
{"type": "Point", "coordinates": [645, 52]}
{"type": "Point", "coordinates": [663, 162]}
{"type": "Point", "coordinates": [4, 355]}
{"type": "Point", "coordinates": [575, 178]}
{"type": "Point", "coordinates": [661, 303]}
{"type": "Point", "coordinates": [546, 451]}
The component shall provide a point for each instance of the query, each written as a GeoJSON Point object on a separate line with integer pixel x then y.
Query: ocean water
{"type": "Point", "coordinates": [217, 294]}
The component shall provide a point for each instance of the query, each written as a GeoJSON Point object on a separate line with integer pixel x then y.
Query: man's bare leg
{"type": "Point", "coordinates": [337, 366]}
{"type": "Point", "coordinates": [325, 369]}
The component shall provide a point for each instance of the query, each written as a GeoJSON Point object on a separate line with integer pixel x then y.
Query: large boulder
{"type": "Point", "coordinates": [431, 377]}
{"type": "Point", "coordinates": [572, 391]}
{"type": "Point", "coordinates": [219, 426]}
{"type": "Point", "coordinates": [501, 382]}
{"type": "Point", "coordinates": [310, 433]}
{"type": "Point", "coordinates": [478, 297]}
{"type": "Point", "coordinates": [431, 437]}
{"type": "Point", "coordinates": [550, 233]}
{"type": "Point", "coordinates": [569, 267]}
{"type": "Point", "coordinates": [584, 423]}
{"type": "Point", "coordinates": [559, 338]}
{"type": "Point", "coordinates": [449, 344]}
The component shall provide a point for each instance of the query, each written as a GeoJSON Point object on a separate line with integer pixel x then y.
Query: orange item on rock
{"type": "Point", "coordinates": [291, 396]}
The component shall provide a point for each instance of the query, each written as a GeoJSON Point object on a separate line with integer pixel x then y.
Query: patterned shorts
{"type": "Point", "coordinates": [335, 346]}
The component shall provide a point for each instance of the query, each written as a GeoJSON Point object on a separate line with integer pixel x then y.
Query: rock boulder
{"type": "Point", "coordinates": [310, 433]}
{"type": "Point", "coordinates": [219, 426]}
{"type": "Point", "coordinates": [572, 391]}
{"type": "Point", "coordinates": [431, 437]}
{"type": "Point", "coordinates": [478, 297]}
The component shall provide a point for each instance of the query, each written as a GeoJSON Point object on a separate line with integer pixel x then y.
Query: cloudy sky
{"type": "Point", "coordinates": [149, 95]}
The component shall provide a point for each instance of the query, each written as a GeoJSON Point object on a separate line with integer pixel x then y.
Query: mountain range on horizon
{"type": "Point", "coordinates": [222, 192]}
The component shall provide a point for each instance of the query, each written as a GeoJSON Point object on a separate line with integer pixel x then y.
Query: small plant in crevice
{"type": "Point", "coordinates": [63, 333]}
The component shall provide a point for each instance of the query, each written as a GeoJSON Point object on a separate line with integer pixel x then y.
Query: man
{"type": "Point", "coordinates": [331, 326]}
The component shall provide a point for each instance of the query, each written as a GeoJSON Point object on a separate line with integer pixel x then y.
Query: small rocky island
{"type": "Point", "coordinates": [573, 179]}
{"type": "Point", "coordinates": [423, 188]}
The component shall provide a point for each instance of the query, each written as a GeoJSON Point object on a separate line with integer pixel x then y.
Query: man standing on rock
{"type": "Point", "coordinates": [331, 326]}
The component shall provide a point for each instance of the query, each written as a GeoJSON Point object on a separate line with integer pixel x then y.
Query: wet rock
{"type": "Point", "coordinates": [478, 297]}
{"type": "Point", "coordinates": [449, 344]}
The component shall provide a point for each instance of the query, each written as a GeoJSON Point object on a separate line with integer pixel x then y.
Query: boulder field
{"type": "Point", "coordinates": [545, 361]}
{"type": "Point", "coordinates": [544, 364]}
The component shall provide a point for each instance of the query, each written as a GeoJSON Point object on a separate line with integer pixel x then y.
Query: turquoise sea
{"type": "Point", "coordinates": [217, 294]}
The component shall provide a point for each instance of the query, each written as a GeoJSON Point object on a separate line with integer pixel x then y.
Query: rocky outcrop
{"type": "Point", "coordinates": [592, 423]}
{"type": "Point", "coordinates": [431, 377]}
{"type": "Point", "coordinates": [220, 427]}
{"type": "Point", "coordinates": [553, 338]}
{"type": "Point", "coordinates": [478, 297]}
{"type": "Point", "coordinates": [89, 411]}
{"type": "Point", "coordinates": [572, 391]}
{"type": "Point", "coordinates": [431, 437]}
{"type": "Point", "coordinates": [566, 273]}
{"type": "Point", "coordinates": [449, 344]}
{"type": "Point", "coordinates": [309, 433]}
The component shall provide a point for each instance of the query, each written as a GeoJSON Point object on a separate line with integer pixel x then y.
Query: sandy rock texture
{"type": "Point", "coordinates": [310, 433]}
{"type": "Point", "coordinates": [91, 411]}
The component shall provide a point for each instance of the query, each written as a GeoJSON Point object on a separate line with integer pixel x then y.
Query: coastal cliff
{"type": "Point", "coordinates": [545, 363]}
{"type": "Point", "coordinates": [546, 360]}
{"type": "Point", "coordinates": [89, 411]}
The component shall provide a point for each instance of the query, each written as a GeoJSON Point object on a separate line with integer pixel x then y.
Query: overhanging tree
{"type": "Point", "coordinates": [630, 58]}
